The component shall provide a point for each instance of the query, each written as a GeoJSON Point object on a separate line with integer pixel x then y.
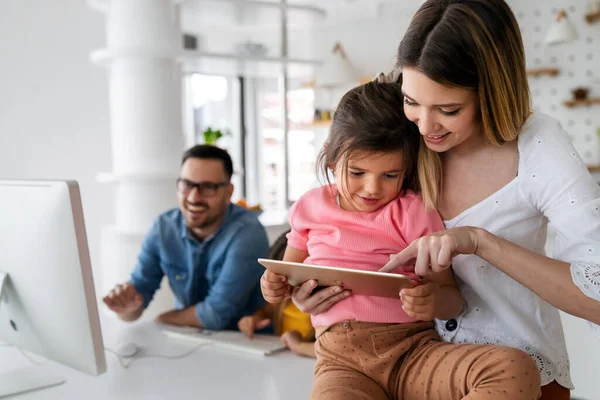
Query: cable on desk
{"type": "Point", "coordinates": [126, 365]}
{"type": "Point", "coordinates": [31, 359]}
{"type": "Point", "coordinates": [27, 356]}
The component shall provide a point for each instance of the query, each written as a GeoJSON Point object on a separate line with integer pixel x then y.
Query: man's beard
{"type": "Point", "coordinates": [208, 222]}
{"type": "Point", "coordinates": [210, 217]}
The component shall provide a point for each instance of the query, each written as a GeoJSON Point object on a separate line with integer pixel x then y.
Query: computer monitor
{"type": "Point", "coordinates": [47, 299]}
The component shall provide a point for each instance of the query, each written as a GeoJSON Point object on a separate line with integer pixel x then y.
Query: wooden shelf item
{"type": "Point", "coordinates": [593, 168]}
{"type": "Point", "coordinates": [581, 103]}
{"type": "Point", "coordinates": [592, 17]}
{"type": "Point", "coordinates": [321, 123]}
{"type": "Point", "coordinates": [543, 71]}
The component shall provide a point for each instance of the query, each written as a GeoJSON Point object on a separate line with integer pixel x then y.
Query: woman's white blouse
{"type": "Point", "coordinates": [553, 186]}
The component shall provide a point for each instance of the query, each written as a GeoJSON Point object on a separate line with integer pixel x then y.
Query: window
{"type": "Point", "coordinates": [212, 102]}
{"type": "Point", "coordinates": [257, 145]}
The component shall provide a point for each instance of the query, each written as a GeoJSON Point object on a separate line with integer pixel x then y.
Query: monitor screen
{"type": "Point", "coordinates": [48, 303]}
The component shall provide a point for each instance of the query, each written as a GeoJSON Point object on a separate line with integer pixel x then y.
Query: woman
{"type": "Point", "coordinates": [504, 173]}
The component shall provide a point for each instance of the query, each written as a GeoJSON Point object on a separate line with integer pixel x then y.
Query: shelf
{"type": "Point", "coordinates": [592, 17]}
{"type": "Point", "coordinates": [581, 103]}
{"type": "Point", "coordinates": [233, 65]}
{"type": "Point", "coordinates": [225, 64]}
{"type": "Point", "coordinates": [103, 57]}
{"type": "Point", "coordinates": [248, 15]}
{"type": "Point", "coordinates": [137, 178]}
{"type": "Point", "coordinates": [543, 71]}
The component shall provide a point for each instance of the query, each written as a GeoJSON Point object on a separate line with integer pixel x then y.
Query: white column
{"type": "Point", "coordinates": [143, 42]}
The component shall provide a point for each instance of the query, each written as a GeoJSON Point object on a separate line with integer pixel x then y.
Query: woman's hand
{"type": "Point", "coordinates": [433, 253]}
{"type": "Point", "coordinates": [274, 287]}
{"type": "Point", "coordinates": [320, 301]}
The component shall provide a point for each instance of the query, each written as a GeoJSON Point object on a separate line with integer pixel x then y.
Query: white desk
{"type": "Point", "coordinates": [208, 373]}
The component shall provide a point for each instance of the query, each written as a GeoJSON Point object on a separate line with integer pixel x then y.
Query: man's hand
{"type": "Point", "coordinates": [422, 302]}
{"type": "Point", "coordinates": [125, 301]}
{"type": "Point", "coordinates": [251, 323]}
{"type": "Point", "coordinates": [185, 317]}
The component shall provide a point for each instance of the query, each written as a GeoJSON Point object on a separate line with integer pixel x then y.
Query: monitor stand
{"type": "Point", "coordinates": [24, 379]}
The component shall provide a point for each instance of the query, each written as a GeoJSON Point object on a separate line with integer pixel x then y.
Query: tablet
{"type": "Point", "coordinates": [381, 284]}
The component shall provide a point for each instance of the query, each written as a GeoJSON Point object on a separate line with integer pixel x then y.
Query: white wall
{"type": "Point", "coordinates": [371, 46]}
{"type": "Point", "coordinates": [54, 119]}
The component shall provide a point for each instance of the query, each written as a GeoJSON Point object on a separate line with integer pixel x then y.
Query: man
{"type": "Point", "coordinates": [208, 248]}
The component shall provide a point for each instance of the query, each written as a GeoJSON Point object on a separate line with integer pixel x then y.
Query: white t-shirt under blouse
{"type": "Point", "coordinates": [553, 186]}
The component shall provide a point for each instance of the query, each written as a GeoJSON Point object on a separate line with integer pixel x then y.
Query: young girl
{"type": "Point", "coordinates": [294, 326]}
{"type": "Point", "coordinates": [373, 347]}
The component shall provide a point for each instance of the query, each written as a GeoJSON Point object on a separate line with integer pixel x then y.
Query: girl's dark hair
{"type": "Point", "coordinates": [370, 118]}
{"type": "Point", "coordinates": [476, 45]}
{"type": "Point", "coordinates": [277, 249]}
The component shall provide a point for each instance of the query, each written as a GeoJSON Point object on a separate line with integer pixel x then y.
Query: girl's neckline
{"type": "Point", "coordinates": [336, 201]}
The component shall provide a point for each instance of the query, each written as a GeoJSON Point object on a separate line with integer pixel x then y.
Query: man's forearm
{"type": "Point", "coordinates": [185, 317]}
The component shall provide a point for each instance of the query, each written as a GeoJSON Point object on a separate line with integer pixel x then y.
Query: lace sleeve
{"type": "Point", "coordinates": [586, 276]}
{"type": "Point", "coordinates": [565, 192]}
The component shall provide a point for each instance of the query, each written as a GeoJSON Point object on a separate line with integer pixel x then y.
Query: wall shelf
{"type": "Point", "coordinates": [248, 16]}
{"type": "Point", "coordinates": [592, 17]}
{"type": "Point", "coordinates": [581, 103]}
{"type": "Point", "coordinates": [543, 71]}
{"type": "Point", "coordinates": [216, 63]}
{"type": "Point", "coordinates": [234, 65]}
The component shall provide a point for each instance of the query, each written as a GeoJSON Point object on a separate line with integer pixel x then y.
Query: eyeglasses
{"type": "Point", "coordinates": [207, 189]}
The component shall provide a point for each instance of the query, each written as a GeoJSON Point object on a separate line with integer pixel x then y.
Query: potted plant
{"type": "Point", "coordinates": [211, 136]}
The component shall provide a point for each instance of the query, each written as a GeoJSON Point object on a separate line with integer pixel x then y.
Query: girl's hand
{"type": "Point", "coordinates": [251, 323]}
{"type": "Point", "coordinates": [274, 287]}
{"type": "Point", "coordinates": [433, 253]}
{"type": "Point", "coordinates": [318, 302]}
{"type": "Point", "coordinates": [422, 301]}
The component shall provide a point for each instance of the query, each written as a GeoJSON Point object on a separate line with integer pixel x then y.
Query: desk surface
{"type": "Point", "coordinates": [206, 373]}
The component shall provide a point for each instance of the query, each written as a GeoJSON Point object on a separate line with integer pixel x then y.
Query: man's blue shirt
{"type": "Point", "coordinates": [219, 275]}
